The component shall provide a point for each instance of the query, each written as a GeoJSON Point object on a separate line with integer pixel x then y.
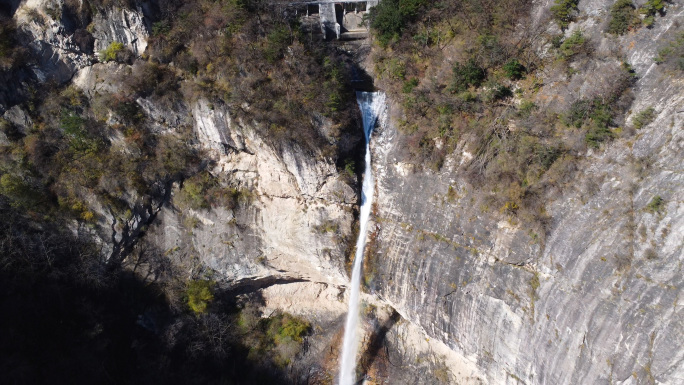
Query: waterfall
{"type": "Point", "coordinates": [371, 105]}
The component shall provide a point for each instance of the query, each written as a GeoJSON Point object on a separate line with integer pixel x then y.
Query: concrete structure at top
{"type": "Point", "coordinates": [339, 19]}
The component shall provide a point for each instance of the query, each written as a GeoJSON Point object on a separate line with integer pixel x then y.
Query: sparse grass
{"type": "Point", "coordinates": [534, 282]}
{"type": "Point", "coordinates": [326, 227]}
{"type": "Point", "coordinates": [451, 195]}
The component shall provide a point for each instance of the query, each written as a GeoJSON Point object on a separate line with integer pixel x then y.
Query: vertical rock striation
{"type": "Point", "coordinates": [599, 301]}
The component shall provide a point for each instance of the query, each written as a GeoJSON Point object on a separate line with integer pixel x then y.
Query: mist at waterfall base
{"type": "Point", "coordinates": [371, 104]}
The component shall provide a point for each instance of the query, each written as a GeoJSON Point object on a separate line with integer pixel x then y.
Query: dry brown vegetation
{"type": "Point", "coordinates": [98, 165]}
{"type": "Point", "coordinates": [467, 79]}
{"type": "Point", "coordinates": [253, 57]}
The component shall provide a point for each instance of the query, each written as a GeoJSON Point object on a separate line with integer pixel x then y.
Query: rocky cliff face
{"type": "Point", "coordinates": [596, 300]}
{"type": "Point", "coordinates": [599, 301]}
{"type": "Point", "coordinates": [282, 231]}
{"type": "Point", "coordinates": [58, 46]}
{"type": "Point", "coordinates": [294, 195]}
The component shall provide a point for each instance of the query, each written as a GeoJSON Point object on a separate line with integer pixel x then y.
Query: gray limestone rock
{"type": "Point", "coordinates": [19, 118]}
{"type": "Point", "coordinates": [122, 26]}
{"type": "Point", "coordinates": [599, 301]}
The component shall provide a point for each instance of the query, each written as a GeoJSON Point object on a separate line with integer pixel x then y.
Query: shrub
{"type": "Point", "coordinates": [276, 43]}
{"type": "Point", "coordinates": [111, 52]}
{"type": "Point", "coordinates": [622, 17]}
{"type": "Point", "coordinates": [564, 12]}
{"type": "Point", "coordinates": [199, 295]}
{"type": "Point", "coordinates": [161, 28]}
{"type": "Point", "coordinates": [595, 115]}
{"type": "Point", "coordinates": [279, 336]}
{"type": "Point", "coordinates": [497, 92]}
{"type": "Point", "coordinates": [152, 79]}
{"type": "Point", "coordinates": [173, 158]}
{"type": "Point", "coordinates": [655, 205]}
{"type": "Point", "coordinates": [578, 112]}
{"type": "Point", "coordinates": [193, 194]}
{"type": "Point", "coordinates": [598, 134]}
{"type": "Point", "coordinates": [572, 45]}
{"type": "Point", "coordinates": [81, 141]}
{"type": "Point", "coordinates": [387, 21]}
{"type": "Point", "coordinates": [336, 85]}
{"type": "Point", "coordinates": [326, 227]}
{"type": "Point", "coordinates": [389, 18]}
{"type": "Point", "coordinates": [467, 75]}
{"type": "Point", "coordinates": [643, 118]}
{"type": "Point", "coordinates": [652, 7]}
{"type": "Point", "coordinates": [514, 70]}
{"type": "Point", "coordinates": [489, 50]}
{"type": "Point", "coordinates": [394, 68]}
{"type": "Point", "coordinates": [288, 327]}
{"type": "Point", "coordinates": [21, 192]}
{"type": "Point", "coordinates": [350, 167]}
{"type": "Point", "coordinates": [409, 85]}
{"type": "Point", "coordinates": [7, 42]}
{"type": "Point", "coordinates": [509, 208]}
{"type": "Point", "coordinates": [673, 53]}
{"type": "Point", "coordinates": [203, 191]}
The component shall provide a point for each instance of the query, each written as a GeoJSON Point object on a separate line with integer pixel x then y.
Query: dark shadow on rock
{"type": "Point", "coordinates": [377, 343]}
{"type": "Point", "coordinates": [72, 320]}
{"type": "Point", "coordinates": [361, 80]}
{"type": "Point", "coordinates": [248, 285]}
{"type": "Point", "coordinates": [9, 7]}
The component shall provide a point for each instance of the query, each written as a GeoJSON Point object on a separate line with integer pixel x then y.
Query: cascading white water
{"type": "Point", "coordinates": [371, 105]}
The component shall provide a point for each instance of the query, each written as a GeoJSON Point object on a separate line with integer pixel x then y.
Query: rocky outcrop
{"type": "Point", "coordinates": [59, 53]}
{"type": "Point", "coordinates": [123, 26]}
{"type": "Point", "coordinates": [295, 218]}
{"type": "Point", "coordinates": [19, 118]}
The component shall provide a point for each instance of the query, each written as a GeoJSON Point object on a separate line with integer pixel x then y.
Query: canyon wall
{"type": "Point", "coordinates": [594, 300]}
{"type": "Point", "coordinates": [598, 299]}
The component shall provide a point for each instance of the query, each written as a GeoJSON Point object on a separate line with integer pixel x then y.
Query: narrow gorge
{"type": "Point", "coordinates": [372, 105]}
{"type": "Point", "coordinates": [187, 193]}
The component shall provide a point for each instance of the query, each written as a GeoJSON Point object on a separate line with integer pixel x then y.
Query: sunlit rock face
{"type": "Point", "coordinates": [123, 26]}
{"type": "Point", "coordinates": [280, 229]}
{"type": "Point", "coordinates": [598, 300]}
